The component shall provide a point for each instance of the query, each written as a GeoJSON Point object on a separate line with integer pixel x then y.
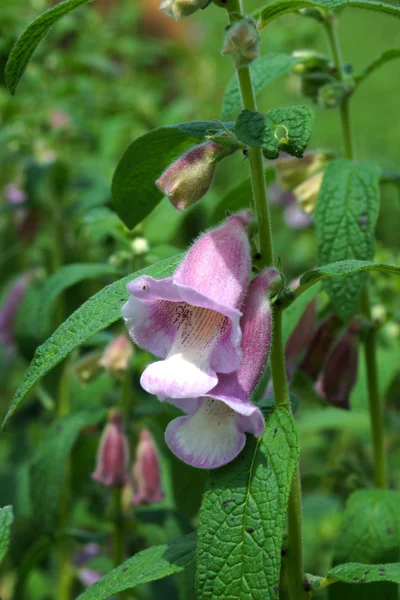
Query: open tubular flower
{"type": "Point", "coordinates": [188, 179]}
{"type": "Point", "coordinates": [112, 454]}
{"type": "Point", "coordinates": [192, 319]}
{"type": "Point", "coordinates": [146, 472]}
{"type": "Point", "coordinates": [214, 430]}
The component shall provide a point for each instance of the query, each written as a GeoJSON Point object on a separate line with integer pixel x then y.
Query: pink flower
{"type": "Point", "coordinates": [188, 179]}
{"type": "Point", "coordinates": [112, 454]}
{"type": "Point", "coordinates": [214, 432]}
{"type": "Point", "coordinates": [88, 576]}
{"type": "Point", "coordinates": [9, 311]}
{"type": "Point", "coordinates": [14, 194]}
{"type": "Point", "coordinates": [192, 319]}
{"type": "Point", "coordinates": [146, 472]}
{"type": "Point", "coordinates": [117, 355]}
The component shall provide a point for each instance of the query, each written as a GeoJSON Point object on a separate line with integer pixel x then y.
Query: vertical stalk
{"type": "Point", "coordinates": [374, 400]}
{"type": "Point", "coordinates": [277, 357]}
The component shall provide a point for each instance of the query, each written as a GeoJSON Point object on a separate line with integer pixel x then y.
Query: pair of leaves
{"type": "Point", "coordinates": [345, 219]}
{"type": "Point", "coordinates": [276, 9]}
{"type": "Point", "coordinates": [242, 516]}
{"type": "Point", "coordinates": [281, 130]}
{"type": "Point", "coordinates": [6, 519]}
{"type": "Point", "coordinates": [148, 565]}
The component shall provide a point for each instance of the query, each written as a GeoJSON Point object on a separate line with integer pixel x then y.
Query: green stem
{"type": "Point", "coordinates": [370, 348]}
{"type": "Point", "coordinates": [277, 356]}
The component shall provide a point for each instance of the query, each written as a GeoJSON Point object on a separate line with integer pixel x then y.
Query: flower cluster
{"type": "Point", "coordinates": [212, 329]}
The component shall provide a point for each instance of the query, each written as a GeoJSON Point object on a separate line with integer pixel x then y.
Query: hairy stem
{"type": "Point", "coordinates": [277, 356]}
{"type": "Point", "coordinates": [370, 351]}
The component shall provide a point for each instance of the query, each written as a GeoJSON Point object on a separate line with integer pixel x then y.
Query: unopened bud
{"type": "Point", "coordinates": [333, 94]}
{"type": "Point", "coordinates": [140, 246]}
{"type": "Point", "coordinates": [242, 42]}
{"type": "Point", "coordinates": [310, 61]}
{"type": "Point", "coordinates": [112, 454]}
{"type": "Point", "coordinates": [117, 355]}
{"type": "Point", "coordinates": [178, 9]}
{"type": "Point", "coordinates": [188, 179]}
{"type": "Point", "coordinates": [340, 371]}
{"type": "Point", "coordinates": [320, 346]}
{"type": "Point", "coordinates": [146, 472]}
{"type": "Point", "coordinates": [307, 192]}
{"type": "Point", "coordinates": [301, 337]}
{"type": "Point", "coordinates": [311, 83]}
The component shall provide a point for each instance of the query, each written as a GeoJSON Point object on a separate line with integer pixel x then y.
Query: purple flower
{"type": "Point", "coordinates": [14, 194]}
{"type": "Point", "coordinates": [192, 319]}
{"type": "Point", "coordinates": [146, 471]}
{"type": "Point", "coordinates": [88, 576]}
{"type": "Point", "coordinates": [9, 311]}
{"type": "Point", "coordinates": [112, 454]}
{"type": "Point", "coordinates": [214, 432]}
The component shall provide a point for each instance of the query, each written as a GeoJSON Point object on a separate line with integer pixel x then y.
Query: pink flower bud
{"type": "Point", "coordinates": [88, 576]}
{"type": "Point", "coordinates": [188, 179]}
{"type": "Point", "coordinates": [320, 347]}
{"type": "Point", "coordinates": [117, 355]}
{"type": "Point", "coordinates": [146, 472]}
{"type": "Point", "coordinates": [301, 337]}
{"type": "Point", "coordinates": [14, 194]}
{"type": "Point", "coordinates": [242, 42]}
{"type": "Point", "coordinates": [340, 371]}
{"type": "Point", "coordinates": [192, 319]}
{"type": "Point", "coordinates": [112, 454]}
{"type": "Point", "coordinates": [9, 311]}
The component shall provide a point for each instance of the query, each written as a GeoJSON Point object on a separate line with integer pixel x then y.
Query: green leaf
{"type": "Point", "coordinates": [343, 268]}
{"type": "Point", "coordinates": [64, 278]}
{"type": "Point", "coordinates": [93, 316]}
{"type": "Point", "coordinates": [281, 130]}
{"type": "Point", "coordinates": [133, 188]}
{"type": "Point", "coordinates": [375, 64]}
{"type": "Point", "coordinates": [365, 573]}
{"type": "Point", "coordinates": [345, 219]}
{"type": "Point", "coordinates": [263, 71]}
{"type": "Point", "coordinates": [237, 197]}
{"type": "Point", "coordinates": [145, 566]}
{"type": "Point", "coordinates": [27, 43]}
{"type": "Point", "coordinates": [6, 518]}
{"type": "Point", "coordinates": [276, 9]}
{"type": "Point", "coordinates": [242, 516]}
{"type": "Point", "coordinates": [47, 468]}
{"type": "Point", "coordinates": [369, 534]}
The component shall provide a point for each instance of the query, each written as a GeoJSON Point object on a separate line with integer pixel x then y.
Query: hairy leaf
{"type": "Point", "coordinates": [343, 268]}
{"type": "Point", "coordinates": [93, 316]}
{"type": "Point", "coordinates": [6, 519]}
{"type": "Point", "coordinates": [47, 469]}
{"type": "Point", "coordinates": [365, 573]}
{"type": "Point", "coordinates": [263, 71]}
{"type": "Point", "coordinates": [242, 517]}
{"type": "Point", "coordinates": [345, 219]}
{"type": "Point", "coordinates": [385, 57]}
{"type": "Point", "coordinates": [276, 9]}
{"type": "Point", "coordinates": [133, 188]}
{"type": "Point", "coordinates": [151, 564]}
{"type": "Point", "coordinates": [281, 130]}
{"type": "Point", "coordinates": [369, 534]}
{"type": "Point", "coordinates": [27, 43]}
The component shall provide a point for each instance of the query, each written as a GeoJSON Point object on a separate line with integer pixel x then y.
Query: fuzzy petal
{"type": "Point", "coordinates": [208, 439]}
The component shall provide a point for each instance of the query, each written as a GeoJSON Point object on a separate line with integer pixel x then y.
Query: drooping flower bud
{"type": "Point", "coordinates": [320, 347]}
{"type": "Point", "coordinates": [117, 355]}
{"type": "Point", "coordinates": [178, 9]}
{"type": "Point", "coordinates": [146, 472]}
{"type": "Point", "coordinates": [188, 179]}
{"type": "Point", "coordinates": [340, 371]}
{"type": "Point", "coordinates": [112, 454]}
{"type": "Point", "coordinates": [242, 42]}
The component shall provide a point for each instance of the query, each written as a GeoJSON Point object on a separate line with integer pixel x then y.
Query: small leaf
{"type": "Point", "coordinates": [263, 71]}
{"type": "Point", "coordinates": [276, 9]}
{"type": "Point", "coordinates": [369, 534]}
{"type": "Point", "coordinates": [242, 516]}
{"type": "Point", "coordinates": [93, 316]}
{"type": "Point", "coordinates": [27, 43]}
{"type": "Point", "coordinates": [375, 64]}
{"type": "Point", "coordinates": [145, 566]}
{"type": "Point", "coordinates": [365, 573]}
{"type": "Point", "coordinates": [345, 219]}
{"type": "Point", "coordinates": [134, 191]}
{"type": "Point", "coordinates": [6, 519]}
{"type": "Point", "coordinates": [343, 268]}
{"type": "Point", "coordinates": [47, 468]}
{"type": "Point", "coordinates": [284, 129]}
